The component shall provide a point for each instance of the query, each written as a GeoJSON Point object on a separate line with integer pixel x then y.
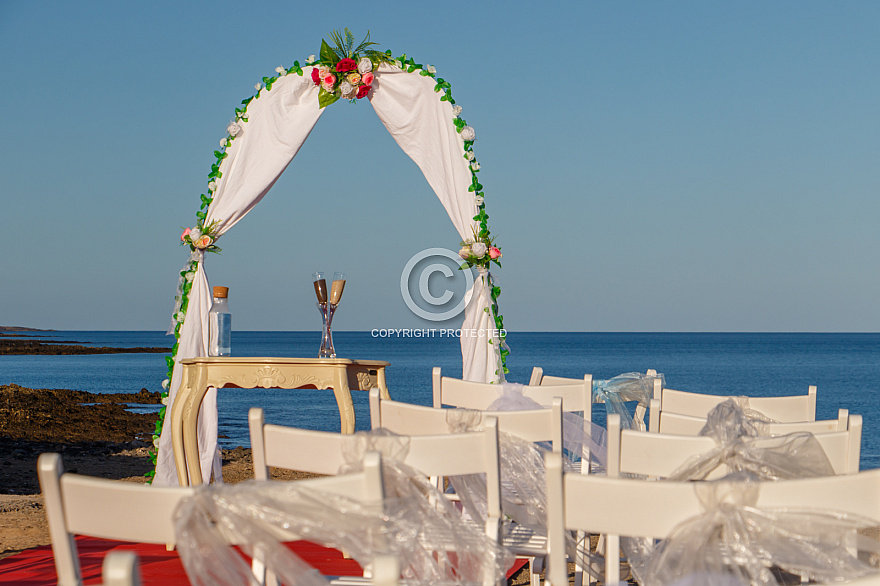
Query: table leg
{"type": "Point", "coordinates": [191, 432]}
{"type": "Point", "coordinates": [380, 382]}
{"type": "Point", "coordinates": [343, 400]}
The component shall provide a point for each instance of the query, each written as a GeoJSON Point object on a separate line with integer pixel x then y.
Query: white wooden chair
{"type": "Point", "coordinates": [124, 511]}
{"type": "Point", "coordinates": [439, 455]}
{"type": "Point", "coordinates": [660, 454]}
{"type": "Point", "coordinates": [676, 423]}
{"type": "Point", "coordinates": [120, 568]}
{"type": "Point", "coordinates": [637, 508]}
{"type": "Point", "coordinates": [576, 394]}
{"type": "Point", "coordinates": [83, 505]}
{"type": "Point", "coordinates": [783, 409]}
{"type": "Point", "coordinates": [539, 425]}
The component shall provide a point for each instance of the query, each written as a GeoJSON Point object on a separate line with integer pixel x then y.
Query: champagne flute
{"type": "Point", "coordinates": [320, 286]}
{"type": "Point", "coordinates": [337, 287]}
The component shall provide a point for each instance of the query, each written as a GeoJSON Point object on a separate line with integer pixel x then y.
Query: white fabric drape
{"type": "Point", "coordinates": [279, 121]}
{"type": "Point", "coordinates": [423, 127]}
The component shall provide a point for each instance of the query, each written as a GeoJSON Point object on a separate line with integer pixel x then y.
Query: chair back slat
{"type": "Point", "coordinates": [782, 409]}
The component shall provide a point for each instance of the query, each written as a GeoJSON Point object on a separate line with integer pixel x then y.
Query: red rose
{"type": "Point", "coordinates": [346, 65]}
{"type": "Point", "coordinates": [316, 76]}
{"type": "Point", "coordinates": [363, 90]}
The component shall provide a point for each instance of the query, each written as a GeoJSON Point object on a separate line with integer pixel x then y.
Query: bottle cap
{"type": "Point", "coordinates": [222, 292]}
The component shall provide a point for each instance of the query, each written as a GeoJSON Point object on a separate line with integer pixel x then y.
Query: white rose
{"type": "Point", "coordinates": [349, 92]}
{"type": "Point", "coordinates": [156, 442]}
{"type": "Point", "coordinates": [190, 276]}
{"type": "Point", "coordinates": [195, 234]}
{"type": "Point", "coordinates": [258, 87]}
{"type": "Point", "coordinates": [456, 110]}
{"type": "Point", "coordinates": [469, 155]}
{"type": "Point", "coordinates": [165, 401]}
{"type": "Point", "coordinates": [478, 200]}
{"type": "Point", "coordinates": [430, 69]}
{"type": "Point", "coordinates": [212, 186]}
{"type": "Point", "coordinates": [311, 59]}
{"type": "Point", "coordinates": [465, 252]}
{"type": "Point", "coordinates": [194, 255]}
{"type": "Point", "coordinates": [365, 65]}
{"type": "Point", "coordinates": [280, 70]}
{"type": "Point", "coordinates": [475, 166]}
{"type": "Point", "coordinates": [233, 129]}
{"type": "Point", "coordinates": [479, 249]}
{"type": "Point", "coordinates": [223, 142]}
{"type": "Point", "coordinates": [166, 383]}
{"type": "Point", "coordinates": [467, 133]}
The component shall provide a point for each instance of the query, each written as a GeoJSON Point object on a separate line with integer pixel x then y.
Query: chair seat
{"type": "Point", "coordinates": [524, 541]}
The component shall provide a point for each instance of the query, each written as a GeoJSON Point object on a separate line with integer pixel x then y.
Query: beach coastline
{"type": "Point", "coordinates": [96, 435]}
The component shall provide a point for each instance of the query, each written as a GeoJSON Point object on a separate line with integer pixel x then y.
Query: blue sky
{"type": "Point", "coordinates": [675, 166]}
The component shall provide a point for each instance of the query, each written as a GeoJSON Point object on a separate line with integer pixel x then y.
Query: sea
{"type": "Point", "coordinates": [845, 367]}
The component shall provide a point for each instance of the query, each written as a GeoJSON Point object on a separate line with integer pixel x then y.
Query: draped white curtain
{"type": "Point", "coordinates": [279, 121]}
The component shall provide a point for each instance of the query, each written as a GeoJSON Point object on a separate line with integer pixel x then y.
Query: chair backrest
{"type": "Point", "coordinates": [655, 455]}
{"type": "Point", "coordinates": [109, 509]}
{"type": "Point", "coordinates": [538, 425]}
{"type": "Point", "coordinates": [658, 454]}
{"type": "Point", "coordinates": [124, 511]}
{"type": "Point", "coordinates": [676, 423]}
{"type": "Point", "coordinates": [652, 509]}
{"type": "Point", "coordinates": [120, 568]}
{"type": "Point", "coordinates": [576, 394]}
{"type": "Point", "coordinates": [435, 455]}
{"type": "Point", "coordinates": [782, 409]}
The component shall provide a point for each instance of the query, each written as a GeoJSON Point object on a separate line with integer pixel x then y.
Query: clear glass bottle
{"type": "Point", "coordinates": [220, 324]}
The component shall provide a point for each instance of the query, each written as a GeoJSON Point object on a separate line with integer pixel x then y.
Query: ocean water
{"type": "Point", "coordinates": [845, 367]}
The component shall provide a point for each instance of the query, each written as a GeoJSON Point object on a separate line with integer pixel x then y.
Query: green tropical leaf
{"type": "Point", "coordinates": [325, 98]}
{"type": "Point", "coordinates": [327, 53]}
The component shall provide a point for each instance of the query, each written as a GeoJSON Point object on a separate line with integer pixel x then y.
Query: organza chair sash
{"type": "Point", "coordinates": [578, 435]}
{"type": "Point", "coordinates": [733, 539]}
{"type": "Point", "coordinates": [415, 523]}
{"type": "Point", "coordinates": [741, 445]}
{"type": "Point", "coordinates": [624, 388]}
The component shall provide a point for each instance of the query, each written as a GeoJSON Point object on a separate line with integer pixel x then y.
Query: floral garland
{"type": "Point", "coordinates": [331, 68]}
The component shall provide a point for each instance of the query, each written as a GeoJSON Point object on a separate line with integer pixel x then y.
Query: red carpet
{"type": "Point", "coordinates": [35, 567]}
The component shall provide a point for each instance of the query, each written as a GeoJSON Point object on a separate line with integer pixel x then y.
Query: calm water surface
{"type": "Point", "coordinates": [845, 367]}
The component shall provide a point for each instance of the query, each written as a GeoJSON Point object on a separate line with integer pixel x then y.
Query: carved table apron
{"type": "Point", "coordinates": [200, 374]}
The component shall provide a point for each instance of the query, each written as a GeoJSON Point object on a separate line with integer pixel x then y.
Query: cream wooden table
{"type": "Point", "coordinates": [200, 374]}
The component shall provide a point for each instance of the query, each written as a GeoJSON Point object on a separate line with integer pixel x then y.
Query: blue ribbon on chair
{"type": "Point", "coordinates": [627, 387]}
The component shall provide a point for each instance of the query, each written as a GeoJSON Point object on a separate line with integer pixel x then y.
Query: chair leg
{"type": "Point", "coordinates": [536, 568]}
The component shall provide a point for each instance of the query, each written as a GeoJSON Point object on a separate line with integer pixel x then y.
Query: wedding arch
{"type": "Point", "coordinates": [418, 110]}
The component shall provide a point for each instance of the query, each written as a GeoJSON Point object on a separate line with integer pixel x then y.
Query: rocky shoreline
{"type": "Point", "coordinates": [10, 345]}
{"type": "Point", "coordinates": [95, 434]}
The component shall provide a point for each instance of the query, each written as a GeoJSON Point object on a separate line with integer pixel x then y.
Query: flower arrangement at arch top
{"type": "Point", "coordinates": [345, 71]}
{"type": "Point", "coordinates": [479, 251]}
{"type": "Point", "coordinates": [201, 238]}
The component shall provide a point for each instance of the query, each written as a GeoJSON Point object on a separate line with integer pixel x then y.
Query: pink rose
{"type": "Point", "coordinates": [367, 78]}
{"type": "Point", "coordinates": [203, 242]}
{"type": "Point", "coordinates": [185, 234]}
{"type": "Point", "coordinates": [328, 81]}
{"type": "Point", "coordinates": [346, 65]}
{"type": "Point", "coordinates": [494, 253]}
